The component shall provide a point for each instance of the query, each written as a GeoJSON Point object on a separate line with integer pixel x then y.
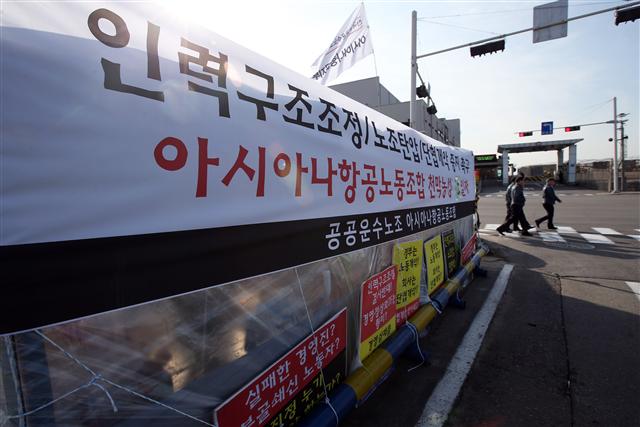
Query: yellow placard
{"type": "Point", "coordinates": [408, 258]}
{"type": "Point", "coordinates": [367, 346]}
{"type": "Point", "coordinates": [435, 263]}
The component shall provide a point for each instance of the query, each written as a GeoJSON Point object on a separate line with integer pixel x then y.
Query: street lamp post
{"type": "Point", "coordinates": [615, 145]}
{"type": "Point", "coordinates": [414, 70]}
{"type": "Point", "coordinates": [622, 149]}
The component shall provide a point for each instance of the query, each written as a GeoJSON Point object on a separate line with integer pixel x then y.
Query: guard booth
{"type": "Point", "coordinates": [192, 233]}
{"type": "Point", "coordinates": [489, 171]}
{"type": "Point", "coordinates": [531, 147]}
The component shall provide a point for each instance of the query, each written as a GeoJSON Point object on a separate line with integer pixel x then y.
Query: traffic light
{"type": "Point", "coordinates": [521, 134]}
{"type": "Point", "coordinates": [487, 48]}
{"type": "Point", "coordinates": [629, 14]}
{"type": "Point", "coordinates": [571, 128]}
{"type": "Point", "coordinates": [431, 109]}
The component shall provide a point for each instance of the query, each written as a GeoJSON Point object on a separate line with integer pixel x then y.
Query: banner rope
{"type": "Point", "coordinates": [415, 333]}
{"type": "Point", "coordinates": [94, 382]}
{"type": "Point", "coordinates": [436, 306]}
{"type": "Point", "coordinates": [324, 384]}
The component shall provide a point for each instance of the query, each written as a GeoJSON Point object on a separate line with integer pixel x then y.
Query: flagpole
{"type": "Point", "coordinates": [375, 65]}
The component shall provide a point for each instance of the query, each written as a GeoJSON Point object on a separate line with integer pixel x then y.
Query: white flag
{"type": "Point", "coordinates": [351, 44]}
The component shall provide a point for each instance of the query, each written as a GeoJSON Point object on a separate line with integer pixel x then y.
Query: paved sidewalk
{"type": "Point", "coordinates": [563, 350]}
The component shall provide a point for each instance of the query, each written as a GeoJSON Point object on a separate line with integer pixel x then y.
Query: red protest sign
{"type": "Point", "coordinates": [469, 249]}
{"type": "Point", "coordinates": [257, 402]}
{"type": "Point", "coordinates": [378, 309]}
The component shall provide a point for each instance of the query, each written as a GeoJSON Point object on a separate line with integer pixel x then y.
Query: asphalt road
{"type": "Point", "coordinates": [563, 348]}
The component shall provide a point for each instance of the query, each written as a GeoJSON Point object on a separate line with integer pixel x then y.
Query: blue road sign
{"type": "Point", "coordinates": [547, 128]}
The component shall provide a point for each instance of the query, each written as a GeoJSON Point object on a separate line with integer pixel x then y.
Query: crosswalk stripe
{"type": "Point", "coordinates": [550, 236]}
{"type": "Point", "coordinates": [597, 238]}
{"type": "Point", "coordinates": [635, 288]}
{"type": "Point", "coordinates": [609, 231]}
{"type": "Point", "coordinates": [555, 236]}
{"type": "Point", "coordinates": [566, 230]}
{"type": "Point", "coordinates": [587, 194]}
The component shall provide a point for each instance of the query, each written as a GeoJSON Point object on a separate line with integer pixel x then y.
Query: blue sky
{"type": "Point", "coordinates": [570, 81]}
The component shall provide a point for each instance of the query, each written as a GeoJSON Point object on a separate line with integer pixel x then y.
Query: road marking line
{"type": "Point", "coordinates": [635, 288]}
{"type": "Point", "coordinates": [609, 231]}
{"type": "Point", "coordinates": [637, 229]}
{"type": "Point", "coordinates": [437, 409]}
{"type": "Point", "coordinates": [487, 195]}
{"type": "Point", "coordinates": [596, 238]}
{"type": "Point", "coordinates": [635, 236]}
{"type": "Point", "coordinates": [491, 226]}
{"type": "Point", "coordinates": [566, 230]}
{"type": "Point", "coordinates": [588, 194]}
{"type": "Point", "coordinates": [550, 236]}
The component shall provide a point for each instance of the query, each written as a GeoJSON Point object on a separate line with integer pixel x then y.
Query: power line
{"type": "Point", "coordinates": [497, 12]}
{"type": "Point", "coordinates": [460, 26]}
{"type": "Point", "coordinates": [513, 33]}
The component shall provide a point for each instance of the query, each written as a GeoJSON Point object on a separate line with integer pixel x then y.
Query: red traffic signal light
{"type": "Point", "coordinates": [571, 128]}
{"type": "Point", "coordinates": [521, 134]}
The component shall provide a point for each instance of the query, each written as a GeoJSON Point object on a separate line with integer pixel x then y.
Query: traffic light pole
{"type": "Point", "coordinates": [615, 145]}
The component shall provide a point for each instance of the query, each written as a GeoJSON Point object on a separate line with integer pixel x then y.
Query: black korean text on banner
{"type": "Point", "coordinates": [149, 141]}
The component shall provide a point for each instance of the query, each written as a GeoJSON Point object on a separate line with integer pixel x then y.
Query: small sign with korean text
{"type": "Point", "coordinates": [451, 252]}
{"type": "Point", "coordinates": [378, 310]}
{"type": "Point", "coordinates": [468, 249]}
{"type": "Point", "coordinates": [408, 258]}
{"type": "Point", "coordinates": [435, 263]}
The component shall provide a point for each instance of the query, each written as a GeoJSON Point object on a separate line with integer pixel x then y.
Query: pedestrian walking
{"type": "Point", "coordinates": [517, 209]}
{"type": "Point", "coordinates": [507, 199]}
{"type": "Point", "coordinates": [549, 199]}
{"type": "Point", "coordinates": [475, 213]}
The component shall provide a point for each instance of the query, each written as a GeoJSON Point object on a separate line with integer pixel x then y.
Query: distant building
{"type": "Point", "coordinates": [373, 94]}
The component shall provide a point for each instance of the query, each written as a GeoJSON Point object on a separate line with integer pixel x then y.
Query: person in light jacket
{"type": "Point", "coordinates": [549, 199]}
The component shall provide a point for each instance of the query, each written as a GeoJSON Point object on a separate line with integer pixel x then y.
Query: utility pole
{"type": "Point", "coordinates": [622, 155]}
{"type": "Point", "coordinates": [414, 70]}
{"type": "Point", "coordinates": [615, 145]}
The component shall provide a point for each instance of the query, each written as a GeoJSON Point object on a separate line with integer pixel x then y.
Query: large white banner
{"type": "Point", "coordinates": [142, 159]}
{"type": "Point", "coordinates": [350, 45]}
{"type": "Point", "coordinates": [115, 122]}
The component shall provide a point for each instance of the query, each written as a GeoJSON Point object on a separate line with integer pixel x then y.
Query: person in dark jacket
{"type": "Point", "coordinates": [517, 209]}
{"type": "Point", "coordinates": [507, 199]}
{"type": "Point", "coordinates": [549, 199]}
